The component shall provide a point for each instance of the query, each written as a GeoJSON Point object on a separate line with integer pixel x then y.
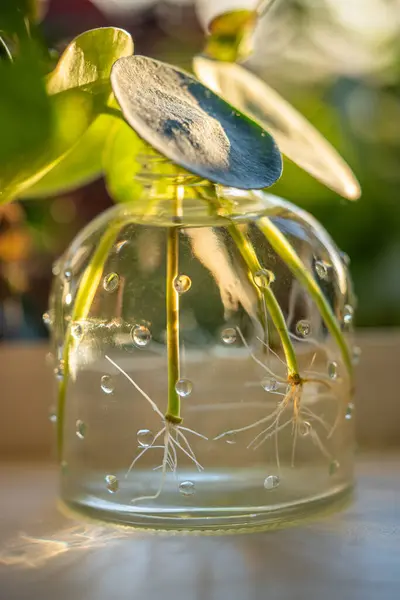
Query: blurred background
{"type": "Point", "coordinates": [337, 61]}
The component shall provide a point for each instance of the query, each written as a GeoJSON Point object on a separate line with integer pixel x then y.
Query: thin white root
{"type": "Point", "coordinates": [317, 441]}
{"type": "Point", "coordinates": [164, 472]}
{"type": "Point", "coordinates": [144, 451]}
{"type": "Point", "coordinates": [272, 352]}
{"type": "Point", "coordinates": [171, 432]}
{"type": "Point", "coordinates": [135, 385]}
{"type": "Point", "coordinates": [251, 426]}
{"type": "Point", "coordinates": [272, 430]}
{"type": "Point", "coordinates": [295, 435]}
{"type": "Point", "coordinates": [170, 455]}
{"type": "Point", "coordinates": [257, 360]}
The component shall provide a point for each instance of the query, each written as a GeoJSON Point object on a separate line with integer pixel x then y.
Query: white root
{"type": "Point", "coordinates": [171, 445]}
{"type": "Point", "coordinates": [257, 360]}
{"type": "Point", "coordinates": [301, 414]}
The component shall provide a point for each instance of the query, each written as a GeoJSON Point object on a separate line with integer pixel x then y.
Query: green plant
{"type": "Point", "coordinates": [102, 107]}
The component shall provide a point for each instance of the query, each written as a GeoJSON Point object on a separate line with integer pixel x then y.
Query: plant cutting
{"type": "Point", "coordinates": [201, 328]}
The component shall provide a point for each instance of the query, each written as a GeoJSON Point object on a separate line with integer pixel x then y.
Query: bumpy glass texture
{"type": "Point", "coordinates": [249, 453]}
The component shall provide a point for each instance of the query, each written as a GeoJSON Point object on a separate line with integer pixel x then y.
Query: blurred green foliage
{"type": "Point", "coordinates": [358, 112]}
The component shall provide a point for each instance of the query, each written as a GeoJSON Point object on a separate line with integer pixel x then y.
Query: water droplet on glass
{"type": "Point", "coordinates": [68, 299]}
{"type": "Point", "coordinates": [305, 428]}
{"type": "Point", "coordinates": [120, 246]}
{"type": "Point", "coordinates": [67, 275]}
{"type": "Point", "coordinates": [107, 384]}
{"type": "Point", "coordinates": [230, 438]}
{"type": "Point", "coordinates": [334, 467]}
{"type": "Point", "coordinates": [183, 387]}
{"type": "Point", "coordinates": [345, 258]}
{"type": "Point", "coordinates": [111, 282]}
{"type": "Point", "coordinates": [269, 384]}
{"type": "Point", "coordinates": [182, 284]}
{"type": "Point", "coordinates": [55, 269]}
{"type": "Point", "coordinates": [80, 429]}
{"type": "Point", "coordinates": [187, 488]}
{"type": "Point", "coordinates": [356, 355]}
{"type": "Point", "coordinates": [303, 328]}
{"type": "Point", "coordinates": [52, 414]}
{"type": "Point", "coordinates": [77, 331]}
{"type": "Point", "coordinates": [145, 438]}
{"type": "Point", "coordinates": [332, 370]}
{"type": "Point", "coordinates": [349, 411]}
{"type": "Point", "coordinates": [322, 269]}
{"type": "Point", "coordinates": [59, 371]}
{"type": "Point", "coordinates": [271, 482]}
{"type": "Point", "coordinates": [141, 336]}
{"type": "Point", "coordinates": [229, 336]}
{"type": "Point", "coordinates": [263, 278]}
{"type": "Point", "coordinates": [112, 483]}
{"type": "Point", "coordinates": [47, 319]}
{"type": "Point", "coordinates": [348, 314]}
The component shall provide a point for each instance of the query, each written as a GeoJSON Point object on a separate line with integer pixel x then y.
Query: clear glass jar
{"type": "Point", "coordinates": [255, 448]}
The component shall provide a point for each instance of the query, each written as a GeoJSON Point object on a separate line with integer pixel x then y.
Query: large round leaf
{"type": "Point", "coordinates": [79, 89]}
{"type": "Point", "coordinates": [295, 136]}
{"type": "Point", "coordinates": [192, 126]}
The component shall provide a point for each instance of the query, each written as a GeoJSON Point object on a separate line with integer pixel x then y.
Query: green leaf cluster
{"type": "Point", "coordinates": [54, 129]}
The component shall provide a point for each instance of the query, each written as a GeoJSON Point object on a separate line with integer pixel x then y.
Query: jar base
{"type": "Point", "coordinates": [209, 521]}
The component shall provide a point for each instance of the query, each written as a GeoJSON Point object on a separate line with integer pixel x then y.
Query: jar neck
{"type": "Point", "coordinates": [161, 178]}
{"type": "Point", "coordinates": [174, 193]}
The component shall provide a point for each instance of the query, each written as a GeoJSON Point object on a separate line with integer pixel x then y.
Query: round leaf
{"type": "Point", "coordinates": [192, 126]}
{"type": "Point", "coordinates": [88, 59]}
{"type": "Point", "coordinates": [295, 136]}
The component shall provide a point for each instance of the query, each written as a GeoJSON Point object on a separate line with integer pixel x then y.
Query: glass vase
{"type": "Point", "coordinates": [175, 330]}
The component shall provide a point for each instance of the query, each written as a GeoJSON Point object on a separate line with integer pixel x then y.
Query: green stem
{"type": "Point", "coordinates": [249, 256]}
{"type": "Point", "coordinates": [172, 300]}
{"type": "Point", "coordinates": [246, 250]}
{"type": "Point", "coordinates": [290, 257]}
{"type": "Point", "coordinates": [83, 302]}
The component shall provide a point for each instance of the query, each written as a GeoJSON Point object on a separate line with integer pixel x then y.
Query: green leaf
{"type": "Point", "coordinates": [25, 114]}
{"type": "Point", "coordinates": [125, 159]}
{"type": "Point", "coordinates": [231, 35]}
{"type": "Point", "coordinates": [192, 126]}
{"type": "Point", "coordinates": [79, 89]}
{"type": "Point", "coordinates": [295, 136]}
{"type": "Point", "coordinates": [87, 61]}
{"type": "Point", "coordinates": [72, 113]}
{"type": "Point", "coordinates": [82, 164]}
{"type": "Point", "coordinates": [15, 16]}
{"type": "Point", "coordinates": [121, 164]}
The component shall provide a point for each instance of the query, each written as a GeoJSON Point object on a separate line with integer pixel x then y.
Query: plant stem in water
{"type": "Point", "coordinates": [248, 254]}
{"type": "Point", "coordinates": [172, 299]}
{"type": "Point", "coordinates": [287, 253]}
{"type": "Point", "coordinates": [83, 302]}
{"type": "Point", "coordinates": [173, 413]}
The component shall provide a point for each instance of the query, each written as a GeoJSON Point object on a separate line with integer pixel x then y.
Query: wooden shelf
{"type": "Point", "coordinates": [354, 555]}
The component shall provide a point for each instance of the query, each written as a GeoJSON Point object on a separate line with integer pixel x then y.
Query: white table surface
{"type": "Point", "coordinates": [44, 555]}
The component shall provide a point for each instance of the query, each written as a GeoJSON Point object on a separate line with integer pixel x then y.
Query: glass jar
{"type": "Point", "coordinates": [193, 306]}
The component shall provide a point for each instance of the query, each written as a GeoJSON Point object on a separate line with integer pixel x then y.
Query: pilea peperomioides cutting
{"type": "Point", "coordinates": [202, 320]}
